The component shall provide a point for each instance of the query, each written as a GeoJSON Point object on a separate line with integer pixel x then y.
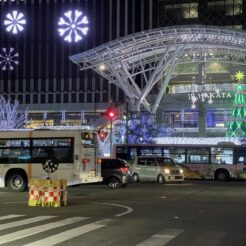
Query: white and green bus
{"type": "Point", "coordinates": [221, 161]}
{"type": "Point", "coordinates": [57, 154]}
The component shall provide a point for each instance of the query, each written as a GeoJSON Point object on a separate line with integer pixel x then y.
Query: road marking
{"type": "Point", "coordinates": [211, 238]}
{"type": "Point", "coordinates": [24, 222]}
{"type": "Point", "coordinates": [161, 238]}
{"type": "Point", "coordinates": [12, 202]}
{"type": "Point", "coordinates": [11, 216]}
{"type": "Point", "coordinates": [38, 229]}
{"type": "Point", "coordinates": [129, 210]}
{"type": "Point", "coordinates": [69, 234]}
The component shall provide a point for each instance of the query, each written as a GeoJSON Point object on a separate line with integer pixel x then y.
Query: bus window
{"type": "Point", "coordinates": [176, 153]}
{"type": "Point", "coordinates": [221, 155]}
{"type": "Point", "coordinates": [133, 153]}
{"type": "Point", "coordinates": [122, 152]}
{"type": "Point", "coordinates": [198, 155]}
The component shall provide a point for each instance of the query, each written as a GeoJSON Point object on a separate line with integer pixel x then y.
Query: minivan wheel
{"type": "Point", "coordinates": [114, 183]}
{"type": "Point", "coordinates": [135, 178]}
{"type": "Point", "coordinates": [160, 179]}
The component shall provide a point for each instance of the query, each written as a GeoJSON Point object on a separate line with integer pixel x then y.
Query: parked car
{"type": "Point", "coordinates": [115, 172]}
{"type": "Point", "coordinates": [155, 168]}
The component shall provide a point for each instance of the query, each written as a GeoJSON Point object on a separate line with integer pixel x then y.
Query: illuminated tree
{"type": "Point", "coordinates": [11, 117]}
{"type": "Point", "coordinates": [237, 122]}
{"type": "Point", "coordinates": [141, 128]}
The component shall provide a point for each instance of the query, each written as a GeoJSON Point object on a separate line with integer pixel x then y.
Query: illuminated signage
{"type": "Point", "coordinates": [10, 1]}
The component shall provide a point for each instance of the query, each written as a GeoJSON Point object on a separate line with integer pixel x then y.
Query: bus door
{"type": "Point", "coordinates": [89, 161]}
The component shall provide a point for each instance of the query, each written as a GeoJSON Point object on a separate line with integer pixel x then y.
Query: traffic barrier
{"type": "Point", "coordinates": [47, 193]}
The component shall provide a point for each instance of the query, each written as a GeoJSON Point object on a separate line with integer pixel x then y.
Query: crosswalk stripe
{"type": "Point", "coordinates": [24, 222]}
{"type": "Point", "coordinates": [162, 238]}
{"type": "Point", "coordinates": [69, 234]}
{"type": "Point", "coordinates": [11, 216]}
{"type": "Point", "coordinates": [38, 229]}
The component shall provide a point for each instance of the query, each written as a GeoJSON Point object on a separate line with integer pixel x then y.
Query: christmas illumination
{"type": "Point", "coordinates": [73, 26]}
{"type": "Point", "coordinates": [15, 22]}
{"type": "Point", "coordinates": [237, 122]}
{"type": "Point", "coordinates": [11, 117]}
{"type": "Point", "coordinates": [8, 59]}
{"type": "Point", "coordinates": [239, 76]}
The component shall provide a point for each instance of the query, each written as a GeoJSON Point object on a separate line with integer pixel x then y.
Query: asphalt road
{"type": "Point", "coordinates": [194, 213]}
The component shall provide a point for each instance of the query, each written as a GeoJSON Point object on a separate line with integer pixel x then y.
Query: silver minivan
{"type": "Point", "coordinates": [156, 168]}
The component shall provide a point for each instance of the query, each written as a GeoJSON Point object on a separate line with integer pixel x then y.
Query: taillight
{"type": "Point", "coordinates": [124, 169]}
{"type": "Point", "coordinates": [85, 161]}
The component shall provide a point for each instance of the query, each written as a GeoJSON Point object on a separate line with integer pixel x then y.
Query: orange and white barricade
{"type": "Point", "coordinates": [48, 193]}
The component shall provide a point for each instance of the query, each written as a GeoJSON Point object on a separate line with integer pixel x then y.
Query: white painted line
{"type": "Point", "coordinates": [24, 222]}
{"type": "Point", "coordinates": [211, 238]}
{"type": "Point", "coordinates": [129, 210]}
{"type": "Point", "coordinates": [37, 229]}
{"type": "Point", "coordinates": [12, 202]}
{"type": "Point", "coordinates": [162, 238]}
{"type": "Point", "coordinates": [11, 216]}
{"type": "Point", "coordinates": [67, 235]}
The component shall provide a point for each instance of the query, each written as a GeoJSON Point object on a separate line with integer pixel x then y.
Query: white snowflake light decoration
{"type": "Point", "coordinates": [15, 22]}
{"type": "Point", "coordinates": [8, 58]}
{"type": "Point", "coordinates": [73, 26]}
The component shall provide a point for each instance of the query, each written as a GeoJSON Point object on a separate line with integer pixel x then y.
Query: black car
{"type": "Point", "coordinates": [115, 172]}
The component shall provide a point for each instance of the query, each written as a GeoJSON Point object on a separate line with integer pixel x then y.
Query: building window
{"type": "Point", "coordinates": [74, 100]}
{"type": "Point", "coordinates": [58, 98]}
{"type": "Point", "coordinates": [66, 98]}
{"type": "Point", "coordinates": [233, 7]}
{"type": "Point", "coordinates": [35, 98]}
{"type": "Point", "coordinates": [81, 98]}
{"type": "Point", "coordinates": [50, 98]}
{"type": "Point", "coordinates": [185, 10]}
{"type": "Point", "coordinates": [42, 98]}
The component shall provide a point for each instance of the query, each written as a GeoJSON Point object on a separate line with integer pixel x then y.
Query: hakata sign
{"type": "Point", "coordinates": [214, 95]}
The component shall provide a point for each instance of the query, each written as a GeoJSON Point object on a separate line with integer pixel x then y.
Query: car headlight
{"type": "Point", "coordinates": [166, 171]}
{"type": "Point", "coordinates": [181, 170]}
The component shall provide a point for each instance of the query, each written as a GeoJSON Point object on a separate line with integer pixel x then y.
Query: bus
{"type": "Point", "coordinates": [56, 154]}
{"type": "Point", "coordinates": [221, 162]}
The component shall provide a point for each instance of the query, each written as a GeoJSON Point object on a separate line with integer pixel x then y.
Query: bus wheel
{"type": "Point", "coordinates": [135, 178]}
{"type": "Point", "coordinates": [160, 179]}
{"type": "Point", "coordinates": [222, 175]}
{"type": "Point", "coordinates": [114, 183]}
{"type": "Point", "coordinates": [17, 182]}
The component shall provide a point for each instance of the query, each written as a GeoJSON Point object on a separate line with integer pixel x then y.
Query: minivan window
{"type": "Point", "coordinates": [151, 162]}
{"type": "Point", "coordinates": [165, 161]}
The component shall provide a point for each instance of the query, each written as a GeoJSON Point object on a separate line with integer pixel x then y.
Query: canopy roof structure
{"type": "Point", "coordinates": [153, 54]}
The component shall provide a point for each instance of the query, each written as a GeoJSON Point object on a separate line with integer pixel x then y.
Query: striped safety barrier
{"type": "Point", "coordinates": [47, 193]}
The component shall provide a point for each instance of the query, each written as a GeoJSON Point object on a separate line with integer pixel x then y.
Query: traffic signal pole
{"type": "Point", "coordinates": [111, 135]}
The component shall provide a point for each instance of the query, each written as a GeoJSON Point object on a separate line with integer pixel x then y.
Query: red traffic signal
{"type": "Point", "coordinates": [110, 113]}
{"type": "Point", "coordinates": [102, 135]}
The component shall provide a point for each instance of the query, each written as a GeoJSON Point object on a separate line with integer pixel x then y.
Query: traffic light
{"type": "Point", "coordinates": [102, 135]}
{"type": "Point", "coordinates": [110, 113]}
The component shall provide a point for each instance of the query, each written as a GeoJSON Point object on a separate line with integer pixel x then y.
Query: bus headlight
{"type": "Point", "coordinates": [166, 171]}
{"type": "Point", "coordinates": [181, 171]}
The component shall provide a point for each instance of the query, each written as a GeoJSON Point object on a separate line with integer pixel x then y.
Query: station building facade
{"type": "Point", "coordinates": [54, 90]}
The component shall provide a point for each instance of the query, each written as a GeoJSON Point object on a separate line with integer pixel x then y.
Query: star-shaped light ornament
{"type": "Point", "coordinates": [239, 76]}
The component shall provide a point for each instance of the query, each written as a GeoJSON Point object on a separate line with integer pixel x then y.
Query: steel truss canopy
{"type": "Point", "coordinates": [153, 55]}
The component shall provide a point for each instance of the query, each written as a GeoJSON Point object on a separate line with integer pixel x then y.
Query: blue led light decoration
{"type": "Point", "coordinates": [8, 59]}
{"type": "Point", "coordinates": [73, 26]}
{"type": "Point", "coordinates": [15, 22]}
